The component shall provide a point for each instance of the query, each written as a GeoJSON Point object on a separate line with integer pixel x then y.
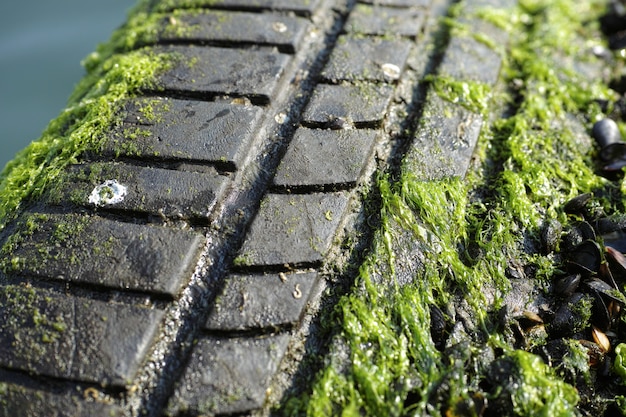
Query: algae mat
{"type": "Point", "coordinates": [472, 324]}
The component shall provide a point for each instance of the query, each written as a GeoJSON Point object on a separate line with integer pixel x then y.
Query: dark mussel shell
{"type": "Point", "coordinates": [586, 230]}
{"type": "Point", "coordinates": [577, 235]}
{"type": "Point", "coordinates": [607, 225]}
{"type": "Point", "coordinates": [584, 205]}
{"type": "Point", "coordinates": [551, 235]}
{"type": "Point", "coordinates": [570, 317]}
{"type": "Point", "coordinates": [437, 326]}
{"type": "Point", "coordinates": [601, 316]}
{"type": "Point", "coordinates": [604, 297]}
{"type": "Point", "coordinates": [566, 286]}
{"type": "Point", "coordinates": [612, 148]}
{"type": "Point", "coordinates": [571, 238]}
{"type": "Point", "coordinates": [606, 133]}
{"type": "Point", "coordinates": [577, 204]}
{"type": "Point", "coordinates": [585, 258]}
{"type": "Point", "coordinates": [615, 165]}
{"type": "Point", "coordinates": [604, 288]}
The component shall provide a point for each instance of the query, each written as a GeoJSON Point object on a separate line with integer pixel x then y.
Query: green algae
{"type": "Point", "coordinates": [472, 95]}
{"type": "Point", "coordinates": [535, 391]}
{"type": "Point", "coordinates": [384, 360]}
{"type": "Point", "coordinates": [144, 28]}
{"type": "Point", "coordinates": [34, 325]}
{"type": "Point", "coordinates": [167, 5]}
{"type": "Point", "coordinates": [619, 366]}
{"type": "Point", "coordinates": [59, 234]}
{"type": "Point", "coordinates": [92, 109]}
{"type": "Point", "coordinates": [118, 70]}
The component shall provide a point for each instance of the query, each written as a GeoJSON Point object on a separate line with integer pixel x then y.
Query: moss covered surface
{"type": "Point", "coordinates": [476, 235]}
{"type": "Point", "coordinates": [386, 360]}
{"type": "Point", "coordinates": [116, 71]}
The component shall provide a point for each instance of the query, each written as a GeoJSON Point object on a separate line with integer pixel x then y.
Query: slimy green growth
{"type": "Point", "coordinates": [92, 110]}
{"type": "Point", "coordinates": [471, 233]}
{"type": "Point", "coordinates": [472, 95]}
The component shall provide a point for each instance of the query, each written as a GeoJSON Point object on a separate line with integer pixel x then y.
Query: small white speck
{"type": "Point", "coordinates": [107, 193]}
{"type": "Point", "coordinates": [279, 27]}
{"type": "Point", "coordinates": [600, 51]}
{"type": "Point", "coordinates": [391, 71]}
{"type": "Point", "coordinates": [281, 118]}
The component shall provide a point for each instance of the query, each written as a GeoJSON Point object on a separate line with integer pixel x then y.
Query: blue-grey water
{"type": "Point", "coordinates": [41, 45]}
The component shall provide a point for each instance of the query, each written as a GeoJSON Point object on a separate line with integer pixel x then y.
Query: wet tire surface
{"type": "Point", "coordinates": [173, 273]}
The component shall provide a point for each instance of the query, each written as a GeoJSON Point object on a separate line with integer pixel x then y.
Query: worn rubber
{"type": "Point", "coordinates": [182, 266]}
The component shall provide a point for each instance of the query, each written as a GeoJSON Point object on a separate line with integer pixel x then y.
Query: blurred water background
{"type": "Point", "coordinates": [41, 45]}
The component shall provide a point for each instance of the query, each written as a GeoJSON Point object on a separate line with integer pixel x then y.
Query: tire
{"type": "Point", "coordinates": [176, 268]}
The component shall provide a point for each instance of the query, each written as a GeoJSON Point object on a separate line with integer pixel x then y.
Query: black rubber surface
{"type": "Point", "coordinates": [181, 266]}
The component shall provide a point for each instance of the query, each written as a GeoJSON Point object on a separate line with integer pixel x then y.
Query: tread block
{"type": "Point", "coordinates": [261, 301]}
{"type": "Point", "coordinates": [285, 32]}
{"type": "Point", "coordinates": [381, 21]}
{"type": "Point", "coordinates": [228, 375]}
{"type": "Point", "coordinates": [362, 104]}
{"type": "Point", "coordinates": [325, 157]}
{"type": "Point", "coordinates": [366, 59]}
{"type": "Point", "coordinates": [169, 129]}
{"type": "Point", "coordinates": [293, 229]}
{"type": "Point", "coordinates": [217, 71]}
{"type": "Point", "coordinates": [68, 337]}
{"type": "Point", "coordinates": [445, 142]}
{"type": "Point", "coordinates": [480, 62]}
{"type": "Point", "coordinates": [301, 7]}
{"type": "Point", "coordinates": [102, 252]}
{"type": "Point", "coordinates": [155, 191]}
{"type": "Point", "coordinates": [16, 400]}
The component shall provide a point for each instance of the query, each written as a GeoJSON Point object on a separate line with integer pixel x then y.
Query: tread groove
{"type": "Point", "coordinates": [230, 44]}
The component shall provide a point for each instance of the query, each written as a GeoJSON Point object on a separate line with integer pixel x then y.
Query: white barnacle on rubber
{"type": "Point", "coordinates": [107, 193]}
{"type": "Point", "coordinates": [391, 71]}
{"type": "Point", "coordinates": [279, 27]}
